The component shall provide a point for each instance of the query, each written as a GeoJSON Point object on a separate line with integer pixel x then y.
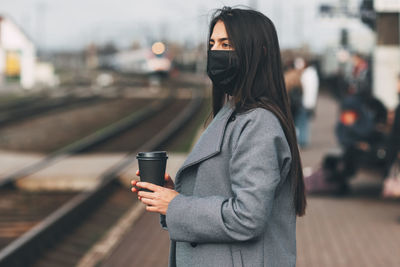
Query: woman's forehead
{"type": "Point", "coordinates": [219, 31]}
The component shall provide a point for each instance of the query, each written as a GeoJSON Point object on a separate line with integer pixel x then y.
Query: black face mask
{"type": "Point", "coordinates": [223, 69]}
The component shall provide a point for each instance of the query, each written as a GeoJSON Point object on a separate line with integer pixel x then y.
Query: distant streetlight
{"type": "Point", "coordinates": [158, 48]}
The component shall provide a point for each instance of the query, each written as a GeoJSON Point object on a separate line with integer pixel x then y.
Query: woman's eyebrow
{"type": "Point", "coordinates": [220, 39]}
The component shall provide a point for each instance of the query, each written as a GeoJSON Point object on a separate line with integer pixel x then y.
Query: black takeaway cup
{"type": "Point", "coordinates": [152, 167]}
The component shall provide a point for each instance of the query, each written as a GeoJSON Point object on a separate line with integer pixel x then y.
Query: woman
{"type": "Point", "coordinates": [236, 196]}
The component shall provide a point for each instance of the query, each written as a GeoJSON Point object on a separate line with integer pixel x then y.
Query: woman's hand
{"type": "Point", "coordinates": [159, 199]}
{"type": "Point", "coordinates": [168, 182]}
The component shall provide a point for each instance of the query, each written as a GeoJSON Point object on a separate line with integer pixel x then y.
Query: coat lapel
{"type": "Point", "coordinates": [210, 142]}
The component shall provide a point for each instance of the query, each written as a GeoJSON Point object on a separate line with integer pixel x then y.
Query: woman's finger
{"type": "Point", "coordinates": [145, 194]}
{"type": "Point", "coordinates": [151, 209]}
{"type": "Point", "coordinates": [134, 189]}
{"type": "Point", "coordinates": [168, 182]}
{"type": "Point", "coordinates": [147, 201]}
{"type": "Point", "coordinates": [149, 186]}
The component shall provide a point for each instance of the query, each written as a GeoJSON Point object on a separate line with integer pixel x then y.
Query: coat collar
{"type": "Point", "coordinates": [210, 142]}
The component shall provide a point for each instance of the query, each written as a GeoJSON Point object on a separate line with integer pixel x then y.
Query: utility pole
{"type": "Point", "coordinates": [40, 25]}
{"type": "Point", "coordinates": [344, 6]}
{"type": "Point", "coordinates": [299, 23]}
{"type": "Point", "coordinates": [387, 51]}
{"type": "Point", "coordinates": [277, 8]}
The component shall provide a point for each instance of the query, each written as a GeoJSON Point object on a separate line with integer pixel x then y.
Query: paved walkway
{"type": "Point", "coordinates": [358, 230]}
{"type": "Point", "coordinates": [144, 243]}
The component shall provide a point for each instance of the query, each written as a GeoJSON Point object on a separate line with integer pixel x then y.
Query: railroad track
{"type": "Point", "coordinates": [38, 106]}
{"type": "Point", "coordinates": [27, 107]}
{"type": "Point", "coordinates": [90, 141]}
{"type": "Point", "coordinates": [18, 102]}
{"type": "Point", "coordinates": [100, 207]}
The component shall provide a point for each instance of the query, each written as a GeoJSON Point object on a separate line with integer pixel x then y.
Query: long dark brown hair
{"type": "Point", "coordinates": [260, 80]}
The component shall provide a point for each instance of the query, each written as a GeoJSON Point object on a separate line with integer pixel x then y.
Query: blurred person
{"type": "Point", "coordinates": [310, 85]}
{"type": "Point", "coordinates": [292, 77]}
{"type": "Point", "coordinates": [358, 129]}
{"type": "Point", "coordinates": [362, 132]}
{"type": "Point", "coordinates": [394, 137]}
{"type": "Point", "coordinates": [360, 80]}
{"type": "Point", "coordinates": [363, 142]}
{"type": "Point", "coordinates": [236, 197]}
{"type": "Point", "coordinates": [391, 185]}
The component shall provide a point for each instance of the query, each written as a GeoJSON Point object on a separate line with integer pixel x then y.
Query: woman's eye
{"type": "Point", "coordinates": [226, 45]}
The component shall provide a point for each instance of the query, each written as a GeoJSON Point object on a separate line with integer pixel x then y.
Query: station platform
{"type": "Point", "coordinates": [360, 229]}
{"type": "Point", "coordinates": [128, 242]}
{"type": "Point", "coordinates": [11, 162]}
{"type": "Point", "coordinates": [76, 173]}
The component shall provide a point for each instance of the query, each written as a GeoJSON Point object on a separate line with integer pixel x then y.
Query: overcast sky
{"type": "Point", "coordinates": [71, 24]}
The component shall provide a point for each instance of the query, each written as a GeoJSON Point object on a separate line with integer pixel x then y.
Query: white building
{"type": "Point", "coordinates": [387, 51]}
{"type": "Point", "coordinates": [17, 54]}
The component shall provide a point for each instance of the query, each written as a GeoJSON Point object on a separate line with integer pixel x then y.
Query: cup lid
{"type": "Point", "coordinates": [153, 154]}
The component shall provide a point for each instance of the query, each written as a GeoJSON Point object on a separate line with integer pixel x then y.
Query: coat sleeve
{"type": "Point", "coordinates": [255, 173]}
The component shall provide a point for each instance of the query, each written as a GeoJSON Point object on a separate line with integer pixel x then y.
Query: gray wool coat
{"type": "Point", "coordinates": [235, 206]}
